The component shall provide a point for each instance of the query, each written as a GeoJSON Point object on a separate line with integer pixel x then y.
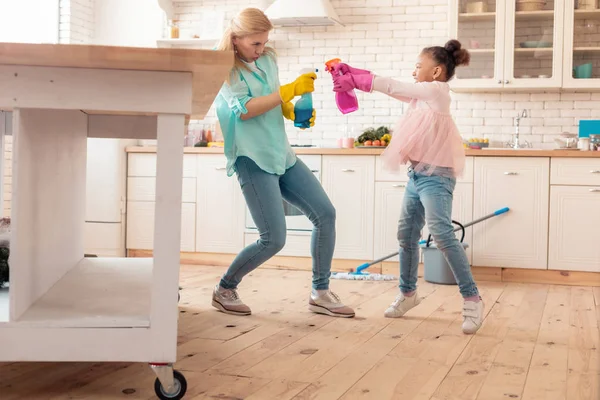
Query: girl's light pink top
{"type": "Point", "coordinates": [426, 136]}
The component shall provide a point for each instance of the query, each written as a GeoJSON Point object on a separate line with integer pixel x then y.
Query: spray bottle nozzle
{"type": "Point", "coordinates": [331, 63]}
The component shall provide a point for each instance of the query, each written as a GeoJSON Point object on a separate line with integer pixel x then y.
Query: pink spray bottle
{"type": "Point", "coordinates": [346, 101]}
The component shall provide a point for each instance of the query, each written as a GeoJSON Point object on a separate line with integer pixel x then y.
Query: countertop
{"type": "Point", "coordinates": [377, 151]}
{"type": "Point", "coordinates": [204, 65]}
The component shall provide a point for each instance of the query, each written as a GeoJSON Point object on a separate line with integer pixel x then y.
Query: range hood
{"type": "Point", "coordinates": [302, 13]}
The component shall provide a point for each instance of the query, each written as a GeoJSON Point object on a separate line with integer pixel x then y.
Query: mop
{"type": "Point", "coordinates": [360, 273]}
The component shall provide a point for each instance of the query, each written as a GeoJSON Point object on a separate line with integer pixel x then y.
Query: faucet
{"type": "Point", "coordinates": [514, 143]}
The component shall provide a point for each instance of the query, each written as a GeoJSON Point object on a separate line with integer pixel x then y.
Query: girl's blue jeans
{"type": "Point", "coordinates": [429, 199]}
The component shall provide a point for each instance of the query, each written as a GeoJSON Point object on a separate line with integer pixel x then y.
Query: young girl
{"type": "Point", "coordinates": [250, 107]}
{"type": "Point", "coordinates": [428, 140]}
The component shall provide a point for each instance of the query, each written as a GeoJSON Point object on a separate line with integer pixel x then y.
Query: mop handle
{"type": "Point", "coordinates": [423, 241]}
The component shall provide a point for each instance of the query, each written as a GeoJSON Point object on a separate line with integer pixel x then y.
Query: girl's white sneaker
{"type": "Point", "coordinates": [472, 316]}
{"type": "Point", "coordinates": [401, 305]}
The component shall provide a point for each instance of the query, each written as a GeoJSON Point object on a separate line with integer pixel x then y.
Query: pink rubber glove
{"type": "Point", "coordinates": [344, 83]}
{"type": "Point", "coordinates": [346, 69]}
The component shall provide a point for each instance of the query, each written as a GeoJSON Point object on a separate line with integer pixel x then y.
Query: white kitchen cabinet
{"type": "Point", "coordinates": [509, 49]}
{"type": "Point", "coordinates": [143, 188]}
{"type": "Point", "coordinates": [574, 228]}
{"type": "Point", "coordinates": [519, 238]}
{"type": "Point", "coordinates": [140, 225]}
{"type": "Point", "coordinates": [220, 207]}
{"type": "Point", "coordinates": [349, 181]}
{"type": "Point", "coordinates": [575, 171]}
{"type": "Point", "coordinates": [141, 195]}
{"type": "Point", "coordinates": [144, 164]}
{"type": "Point", "coordinates": [581, 45]}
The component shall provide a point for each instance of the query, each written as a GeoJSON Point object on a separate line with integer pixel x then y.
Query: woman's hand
{"type": "Point", "coordinates": [305, 83]}
{"type": "Point", "coordinates": [312, 119]}
{"type": "Point", "coordinates": [287, 109]}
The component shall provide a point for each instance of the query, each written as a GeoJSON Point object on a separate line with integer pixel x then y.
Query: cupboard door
{"type": "Point", "coordinates": [534, 45]}
{"type": "Point", "coordinates": [479, 26]}
{"type": "Point", "coordinates": [140, 225]}
{"type": "Point", "coordinates": [519, 238]}
{"type": "Point", "coordinates": [220, 207]}
{"type": "Point", "coordinates": [349, 181]}
{"type": "Point", "coordinates": [574, 228]}
{"type": "Point", "coordinates": [388, 203]}
{"type": "Point", "coordinates": [581, 69]}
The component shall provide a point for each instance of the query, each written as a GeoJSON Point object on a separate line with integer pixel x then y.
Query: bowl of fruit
{"type": "Point", "coordinates": [372, 137]}
{"type": "Point", "coordinates": [478, 143]}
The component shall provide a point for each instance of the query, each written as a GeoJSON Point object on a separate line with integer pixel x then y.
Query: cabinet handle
{"type": "Point", "coordinates": [595, 190]}
{"type": "Point", "coordinates": [507, 81]}
{"type": "Point", "coordinates": [595, 171]}
{"type": "Point", "coordinates": [347, 170]}
{"type": "Point", "coordinates": [499, 81]}
{"type": "Point", "coordinates": [399, 185]}
{"type": "Point", "coordinates": [511, 173]}
{"type": "Point", "coordinates": [220, 168]}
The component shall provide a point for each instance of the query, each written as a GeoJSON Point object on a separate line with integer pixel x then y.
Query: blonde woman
{"type": "Point", "coordinates": [250, 107]}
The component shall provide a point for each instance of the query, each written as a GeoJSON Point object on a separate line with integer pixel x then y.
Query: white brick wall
{"type": "Point", "coordinates": [76, 21]}
{"type": "Point", "coordinates": [386, 36]}
{"type": "Point", "coordinates": [76, 26]}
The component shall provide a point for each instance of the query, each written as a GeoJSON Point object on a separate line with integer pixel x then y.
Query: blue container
{"type": "Point", "coordinates": [304, 106]}
{"type": "Point", "coordinates": [588, 127]}
{"type": "Point", "coordinates": [303, 111]}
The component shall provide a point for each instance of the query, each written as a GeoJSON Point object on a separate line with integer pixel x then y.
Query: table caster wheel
{"type": "Point", "coordinates": [178, 390]}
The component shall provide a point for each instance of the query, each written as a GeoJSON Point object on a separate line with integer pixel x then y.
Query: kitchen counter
{"type": "Point", "coordinates": [377, 151]}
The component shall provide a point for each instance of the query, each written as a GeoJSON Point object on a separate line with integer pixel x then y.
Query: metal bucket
{"type": "Point", "coordinates": [437, 269]}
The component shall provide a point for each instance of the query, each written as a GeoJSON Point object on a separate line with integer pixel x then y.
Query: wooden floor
{"type": "Point", "coordinates": [538, 342]}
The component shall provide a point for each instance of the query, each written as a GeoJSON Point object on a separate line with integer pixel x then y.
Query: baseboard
{"type": "Point", "coordinates": [486, 274]}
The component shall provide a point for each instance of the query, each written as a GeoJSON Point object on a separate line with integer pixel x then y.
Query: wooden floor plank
{"type": "Point", "coordinates": [466, 377]}
{"type": "Point", "coordinates": [508, 373]}
{"type": "Point", "coordinates": [308, 358]}
{"type": "Point", "coordinates": [547, 375]}
{"type": "Point", "coordinates": [541, 340]}
{"type": "Point", "coordinates": [429, 350]}
{"type": "Point", "coordinates": [335, 382]}
{"type": "Point", "coordinates": [278, 390]}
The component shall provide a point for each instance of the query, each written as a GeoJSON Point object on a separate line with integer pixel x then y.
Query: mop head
{"type": "Point", "coordinates": [353, 276]}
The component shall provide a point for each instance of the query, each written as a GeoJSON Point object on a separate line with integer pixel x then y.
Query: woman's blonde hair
{"type": "Point", "coordinates": [249, 21]}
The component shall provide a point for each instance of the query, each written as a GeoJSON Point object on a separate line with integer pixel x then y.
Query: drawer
{"type": "Point", "coordinates": [575, 171]}
{"type": "Point", "coordinates": [144, 164]}
{"type": "Point", "coordinates": [383, 175]}
{"type": "Point", "coordinates": [144, 189]}
{"type": "Point", "coordinates": [140, 226]}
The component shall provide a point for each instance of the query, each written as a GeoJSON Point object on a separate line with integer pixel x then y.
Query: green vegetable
{"type": "Point", "coordinates": [201, 143]}
{"type": "Point", "coordinates": [373, 134]}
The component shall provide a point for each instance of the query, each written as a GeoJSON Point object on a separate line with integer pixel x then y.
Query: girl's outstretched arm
{"type": "Point", "coordinates": [366, 81]}
{"type": "Point", "coordinates": [403, 90]}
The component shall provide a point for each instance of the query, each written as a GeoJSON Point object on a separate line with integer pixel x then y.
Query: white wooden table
{"type": "Point", "coordinates": [62, 306]}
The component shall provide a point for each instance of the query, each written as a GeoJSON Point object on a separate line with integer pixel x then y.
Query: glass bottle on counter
{"type": "Point", "coordinates": [174, 29]}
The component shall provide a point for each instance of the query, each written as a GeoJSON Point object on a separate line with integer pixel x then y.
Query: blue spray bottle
{"type": "Point", "coordinates": [304, 106]}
